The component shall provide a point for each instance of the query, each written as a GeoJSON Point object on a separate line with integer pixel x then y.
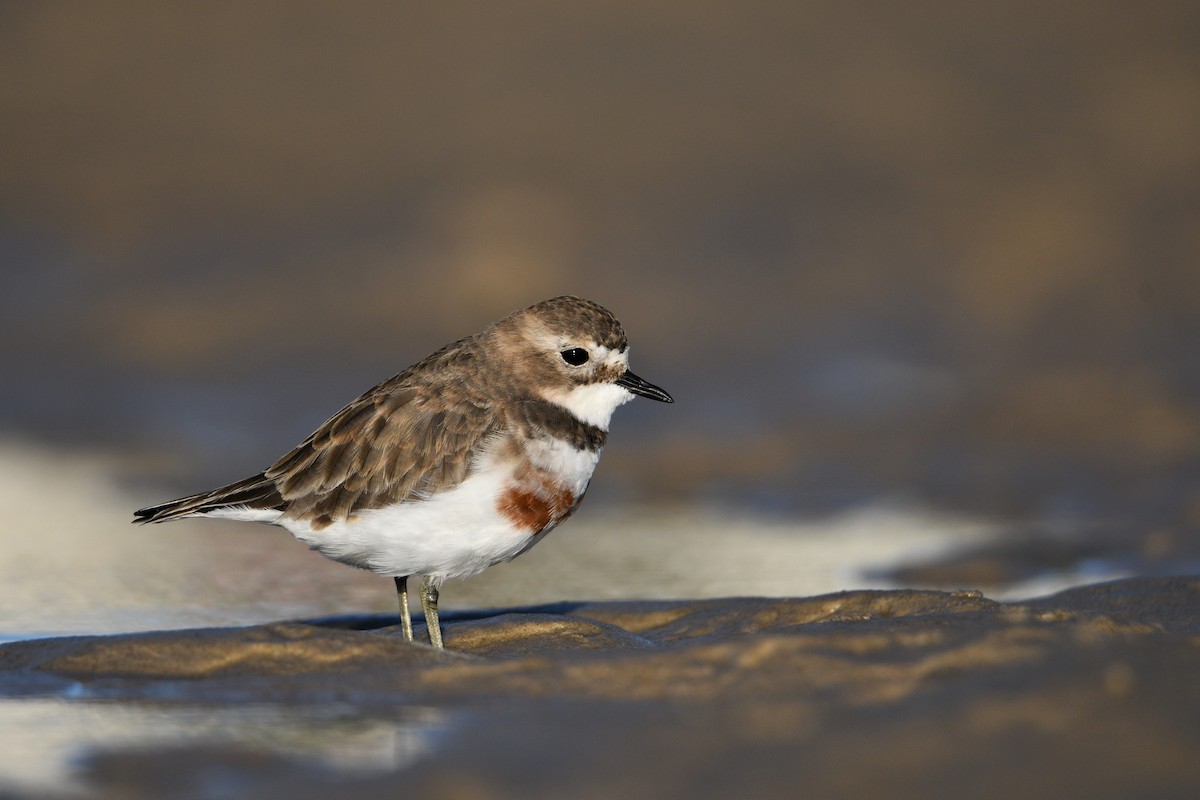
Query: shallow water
{"type": "Point", "coordinates": [83, 569]}
{"type": "Point", "coordinates": [904, 693]}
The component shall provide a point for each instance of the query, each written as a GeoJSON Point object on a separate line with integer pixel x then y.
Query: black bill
{"type": "Point", "coordinates": [644, 388]}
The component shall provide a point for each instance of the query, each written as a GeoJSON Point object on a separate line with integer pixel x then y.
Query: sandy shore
{"type": "Point", "coordinates": [1090, 692]}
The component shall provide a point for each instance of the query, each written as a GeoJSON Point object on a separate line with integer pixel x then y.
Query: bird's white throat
{"type": "Point", "coordinates": [593, 403]}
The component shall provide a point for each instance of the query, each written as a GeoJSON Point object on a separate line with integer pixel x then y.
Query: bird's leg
{"type": "Point", "coordinates": [405, 618]}
{"type": "Point", "coordinates": [429, 600]}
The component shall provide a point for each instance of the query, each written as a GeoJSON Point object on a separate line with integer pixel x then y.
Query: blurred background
{"type": "Point", "coordinates": [935, 257]}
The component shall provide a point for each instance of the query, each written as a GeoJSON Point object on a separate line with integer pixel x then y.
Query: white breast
{"type": "Point", "coordinates": [573, 468]}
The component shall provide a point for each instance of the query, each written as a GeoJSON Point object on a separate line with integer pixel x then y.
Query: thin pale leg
{"type": "Point", "coordinates": [429, 600]}
{"type": "Point", "coordinates": [405, 617]}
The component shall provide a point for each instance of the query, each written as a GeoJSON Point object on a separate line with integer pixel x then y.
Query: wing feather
{"type": "Point", "coordinates": [416, 433]}
{"type": "Point", "coordinates": [399, 442]}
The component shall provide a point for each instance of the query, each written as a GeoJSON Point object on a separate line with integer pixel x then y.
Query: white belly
{"type": "Point", "coordinates": [454, 534]}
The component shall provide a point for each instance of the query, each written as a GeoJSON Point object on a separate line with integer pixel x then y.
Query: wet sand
{"type": "Point", "coordinates": [1090, 692]}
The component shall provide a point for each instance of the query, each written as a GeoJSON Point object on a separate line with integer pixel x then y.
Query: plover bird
{"type": "Point", "coordinates": [463, 460]}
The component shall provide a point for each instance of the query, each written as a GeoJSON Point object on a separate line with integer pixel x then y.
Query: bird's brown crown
{"type": "Point", "coordinates": [572, 318]}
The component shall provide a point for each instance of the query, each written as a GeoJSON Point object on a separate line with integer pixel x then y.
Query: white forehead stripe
{"type": "Point", "coordinates": [600, 353]}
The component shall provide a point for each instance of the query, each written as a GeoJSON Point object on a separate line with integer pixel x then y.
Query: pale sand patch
{"type": "Point", "coordinates": [71, 562]}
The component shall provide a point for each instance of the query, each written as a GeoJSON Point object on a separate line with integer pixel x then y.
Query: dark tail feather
{"type": "Point", "coordinates": [257, 492]}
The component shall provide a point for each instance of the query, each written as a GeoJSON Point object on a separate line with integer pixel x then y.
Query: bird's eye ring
{"type": "Point", "coordinates": [575, 356]}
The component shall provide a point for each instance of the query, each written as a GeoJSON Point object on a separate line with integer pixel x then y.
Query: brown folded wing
{"type": "Point", "coordinates": [412, 435]}
{"type": "Point", "coordinates": [394, 444]}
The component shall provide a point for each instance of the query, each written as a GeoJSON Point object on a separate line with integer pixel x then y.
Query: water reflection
{"type": "Point", "coordinates": [45, 743]}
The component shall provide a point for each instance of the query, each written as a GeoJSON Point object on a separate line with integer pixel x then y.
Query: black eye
{"type": "Point", "coordinates": [575, 356]}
